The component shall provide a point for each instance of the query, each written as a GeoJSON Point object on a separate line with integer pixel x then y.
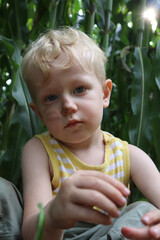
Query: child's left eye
{"type": "Point", "coordinates": [79, 89]}
{"type": "Point", "coordinates": [51, 98]}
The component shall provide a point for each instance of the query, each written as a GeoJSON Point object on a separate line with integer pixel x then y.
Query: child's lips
{"type": "Point", "coordinates": [72, 123]}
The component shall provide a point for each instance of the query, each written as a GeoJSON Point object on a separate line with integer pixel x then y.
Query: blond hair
{"type": "Point", "coordinates": [61, 49]}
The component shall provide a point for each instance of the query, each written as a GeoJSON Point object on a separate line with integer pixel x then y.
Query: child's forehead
{"type": "Point", "coordinates": [73, 74]}
{"type": "Point", "coordinates": [76, 71]}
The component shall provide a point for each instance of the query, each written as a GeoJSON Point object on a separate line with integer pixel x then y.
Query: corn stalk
{"type": "Point", "coordinates": [108, 12]}
{"type": "Point", "coordinates": [53, 13]}
{"type": "Point", "coordinates": [90, 7]}
{"type": "Point", "coordinates": [140, 22]}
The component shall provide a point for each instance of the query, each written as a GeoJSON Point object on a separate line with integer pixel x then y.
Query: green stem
{"type": "Point", "coordinates": [140, 38]}
{"type": "Point", "coordinates": [140, 23]}
{"type": "Point", "coordinates": [89, 19]}
{"type": "Point", "coordinates": [147, 33]}
{"type": "Point", "coordinates": [61, 10]}
{"type": "Point", "coordinates": [53, 14]}
{"type": "Point", "coordinates": [105, 41]}
{"type": "Point", "coordinates": [106, 31]}
{"type": "Point", "coordinates": [109, 5]}
{"type": "Point", "coordinates": [40, 223]}
{"type": "Point", "coordinates": [19, 37]}
{"type": "Point", "coordinates": [142, 99]}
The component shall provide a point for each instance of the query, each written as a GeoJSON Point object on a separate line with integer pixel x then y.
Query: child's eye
{"type": "Point", "coordinates": [51, 98]}
{"type": "Point", "coordinates": [79, 89]}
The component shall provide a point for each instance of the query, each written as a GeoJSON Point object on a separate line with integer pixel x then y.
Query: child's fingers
{"type": "Point", "coordinates": [92, 198]}
{"type": "Point", "coordinates": [136, 233]}
{"type": "Point", "coordinates": [101, 183]}
{"type": "Point", "coordinates": [117, 184]}
{"type": "Point", "coordinates": [154, 231]}
{"type": "Point", "coordinates": [152, 217]}
{"type": "Point", "coordinates": [145, 233]}
{"type": "Point", "coordinates": [89, 215]}
{"type": "Point", "coordinates": [103, 187]}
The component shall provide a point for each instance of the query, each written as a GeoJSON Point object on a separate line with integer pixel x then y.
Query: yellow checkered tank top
{"type": "Point", "coordinates": [65, 163]}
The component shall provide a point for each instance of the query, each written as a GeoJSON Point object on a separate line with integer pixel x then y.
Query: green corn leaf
{"type": "Point", "coordinates": [24, 114]}
{"type": "Point", "coordinates": [12, 51]}
{"type": "Point", "coordinates": [140, 128]}
{"type": "Point", "coordinates": [157, 75]}
{"type": "Point", "coordinates": [155, 107]}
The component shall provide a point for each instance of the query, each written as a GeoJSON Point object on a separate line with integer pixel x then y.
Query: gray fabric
{"type": "Point", "coordinates": [11, 211]}
{"type": "Point", "coordinates": [130, 216]}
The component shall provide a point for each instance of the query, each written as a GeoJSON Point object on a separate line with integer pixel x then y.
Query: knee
{"type": "Point", "coordinates": [141, 207]}
{"type": "Point", "coordinates": [146, 205]}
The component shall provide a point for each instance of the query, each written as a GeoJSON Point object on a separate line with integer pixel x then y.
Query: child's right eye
{"type": "Point", "coordinates": [51, 98]}
{"type": "Point", "coordinates": [80, 89]}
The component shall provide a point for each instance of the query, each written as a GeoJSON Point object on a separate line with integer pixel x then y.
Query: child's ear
{"type": "Point", "coordinates": [107, 88]}
{"type": "Point", "coordinates": [35, 109]}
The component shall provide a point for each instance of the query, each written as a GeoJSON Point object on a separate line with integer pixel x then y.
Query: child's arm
{"type": "Point", "coordinates": [74, 201]}
{"type": "Point", "coordinates": [147, 178]}
{"type": "Point", "coordinates": [145, 175]}
{"type": "Point", "coordinates": [36, 186]}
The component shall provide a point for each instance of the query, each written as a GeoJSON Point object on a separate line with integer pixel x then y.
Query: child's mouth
{"type": "Point", "coordinates": [72, 123]}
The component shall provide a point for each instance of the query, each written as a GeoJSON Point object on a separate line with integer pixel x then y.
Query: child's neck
{"type": "Point", "coordinates": [91, 152]}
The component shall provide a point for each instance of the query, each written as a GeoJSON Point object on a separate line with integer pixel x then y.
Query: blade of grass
{"type": "Point", "coordinates": [40, 223]}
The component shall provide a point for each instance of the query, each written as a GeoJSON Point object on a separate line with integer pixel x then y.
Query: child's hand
{"type": "Point", "coordinates": [80, 193]}
{"type": "Point", "coordinates": [151, 231]}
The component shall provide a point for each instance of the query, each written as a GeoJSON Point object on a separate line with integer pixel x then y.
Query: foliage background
{"type": "Point", "coordinates": [133, 65]}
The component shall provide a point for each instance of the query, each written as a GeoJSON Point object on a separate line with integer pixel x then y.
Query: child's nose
{"type": "Point", "coordinates": [68, 105]}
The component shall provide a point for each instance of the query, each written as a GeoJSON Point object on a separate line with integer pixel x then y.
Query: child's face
{"type": "Point", "coordinates": [70, 103]}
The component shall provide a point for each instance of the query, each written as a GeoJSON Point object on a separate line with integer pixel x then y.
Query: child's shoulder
{"type": "Point", "coordinates": [33, 150]}
{"type": "Point", "coordinates": [34, 143]}
{"type": "Point", "coordinates": [136, 152]}
{"type": "Point", "coordinates": [31, 142]}
{"type": "Point", "coordinates": [108, 137]}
